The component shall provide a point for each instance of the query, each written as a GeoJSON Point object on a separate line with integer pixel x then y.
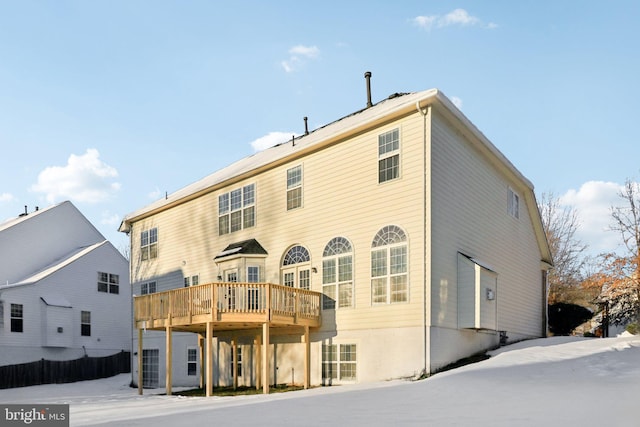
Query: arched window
{"type": "Point", "coordinates": [337, 274]}
{"type": "Point", "coordinates": [389, 272]}
{"type": "Point", "coordinates": [296, 268]}
{"type": "Point", "coordinates": [296, 255]}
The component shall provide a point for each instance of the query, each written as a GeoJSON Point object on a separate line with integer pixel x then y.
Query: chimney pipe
{"type": "Point", "coordinates": [306, 127]}
{"type": "Point", "coordinates": [367, 76]}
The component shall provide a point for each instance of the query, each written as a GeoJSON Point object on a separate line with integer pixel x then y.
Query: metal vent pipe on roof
{"type": "Point", "coordinates": [306, 126]}
{"type": "Point", "coordinates": [367, 76]}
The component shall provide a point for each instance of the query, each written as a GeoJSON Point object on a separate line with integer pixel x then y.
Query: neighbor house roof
{"type": "Point", "coordinates": [55, 266]}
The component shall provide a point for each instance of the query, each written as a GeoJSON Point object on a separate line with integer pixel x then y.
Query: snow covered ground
{"type": "Point", "coordinates": [559, 381]}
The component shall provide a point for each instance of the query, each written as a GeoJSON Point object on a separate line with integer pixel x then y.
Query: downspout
{"type": "Point", "coordinates": [426, 329]}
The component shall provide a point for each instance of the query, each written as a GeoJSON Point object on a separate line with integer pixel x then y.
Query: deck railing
{"type": "Point", "coordinates": [261, 301]}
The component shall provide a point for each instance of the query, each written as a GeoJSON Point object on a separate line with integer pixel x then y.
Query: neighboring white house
{"type": "Point", "coordinates": [64, 289]}
{"type": "Point", "coordinates": [422, 243]}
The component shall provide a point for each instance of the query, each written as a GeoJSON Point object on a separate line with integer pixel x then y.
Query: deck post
{"type": "Point", "coordinates": [257, 361]}
{"type": "Point", "coordinates": [201, 355]}
{"type": "Point", "coordinates": [140, 361]}
{"type": "Point", "coordinates": [234, 347]}
{"type": "Point", "coordinates": [209, 369]}
{"type": "Point", "coordinates": [307, 356]}
{"type": "Point", "coordinates": [265, 358]}
{"type": "Point", "coordinates": [169, 361]}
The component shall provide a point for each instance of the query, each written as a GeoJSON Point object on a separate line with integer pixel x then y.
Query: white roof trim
{"type": "Point", "coordinates": [56, 301]}
{"type": "Point", "coordinates": [56, 266]}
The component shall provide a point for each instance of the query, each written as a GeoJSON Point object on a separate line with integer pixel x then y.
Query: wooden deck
{"type": "Point", "coordinates": [254, 308]}
{"type": "Point", "coordinates": [229, 306]}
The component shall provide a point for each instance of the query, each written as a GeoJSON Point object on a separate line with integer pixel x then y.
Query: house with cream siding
{"type": "Point", "coordinates": [386, 244]}
{"type": "Point", "coordinates": [64, 289]}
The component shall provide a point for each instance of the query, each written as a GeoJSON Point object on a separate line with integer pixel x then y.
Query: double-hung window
{"type": "Point", "coordinates": [85, 323]}
{"type": "Point", "coordinates": [149, 244]}
{"type": "Point", "coordinates": [192, 361]}
{"type": "Point", "coordinates": [237, 209]}
{"type": "Point", "coordinates": [513, 204]}
{"type": "Point", "coordinates": [389, 156]}
{"type": "Point", "coordinates": [294, 187]}
{"type": "Point", "coordinates": [17, 318]}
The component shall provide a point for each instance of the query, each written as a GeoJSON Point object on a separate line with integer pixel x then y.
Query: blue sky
{"type": "Point", "coordinates": [110, 104]}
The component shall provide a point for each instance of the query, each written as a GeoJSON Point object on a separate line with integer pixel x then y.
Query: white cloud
{"type": "Point", "coordinates": [271, 139]}
{"type": "Point", "coordinates": [85, 178]}
{"type": "Point", "coordinates": [457, 102]}
{"type": "Point", "coordinates": [298, 55]}
{"type": "Point", "coordinates": [593, 202]}
{"type": "Point", "coordinates": [6, 197]}
{"type": "Point", "coordinates": [109, 218]}
{"type": "Point", "coordinates": [459, 17]}
{"type": "Point", "coordinates": [155, 194]}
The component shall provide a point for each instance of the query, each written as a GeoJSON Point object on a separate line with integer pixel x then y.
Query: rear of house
{"type": "Point", "coordinates": [401, 215]}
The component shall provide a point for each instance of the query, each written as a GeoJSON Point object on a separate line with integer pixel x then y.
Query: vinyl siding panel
{"type": "Point", "coordinates": [469, 215]}
{"type": "Point", "coordinates": [341, 197]}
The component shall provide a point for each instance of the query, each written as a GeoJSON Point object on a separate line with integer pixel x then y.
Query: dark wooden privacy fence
{"type": "Point", "coordinates": [65, 371]}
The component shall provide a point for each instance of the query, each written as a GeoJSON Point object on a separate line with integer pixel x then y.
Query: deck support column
{"type": "Point", "coordinates": [169, 361]}
{"type": "Point", "coordinates": [307, 357]}
{"type": "Point", "coordinates": [209, 369]}
{"type": "Point", "coordinates": [234, 349]}
{"type": "Point", "coordinates": [201, 355]}
{"type": "Point", "coordinates": [265, 358]}
{"type": "Point", "coordinates": [257, 360]}
{"type": "Point", "coordinates": [140, 361]}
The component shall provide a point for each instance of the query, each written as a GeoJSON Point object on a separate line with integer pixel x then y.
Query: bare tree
{"type": "Point", "coordinates": [619, 279]}
{"type": "Point", "coordinates": [560, 225]}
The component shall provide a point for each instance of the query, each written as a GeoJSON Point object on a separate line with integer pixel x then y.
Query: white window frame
{"type": "Point", "coordinates": [345, 361]}
{"type": "Point", "coordinates": [110, 282]}
{"type": "Point", "coordinates": [513, 203]}
{"type": "Point", "coordinates": [17, 317]}
{"type": "Point", "coordinates": [149, 244]}
{"type": "Point", "coordinates": [336, 283]}
{"type": "Point", "coordinates": [389, 243]}
{"type": "Point", "coordinates": [148, 288]}
{"type": "Point", "coordinates": [387, 152]}
{"type": "Point", "coordinates": [237, 209]}
{"type": "Point", "coordinates": [192, 362]}
{"type": "Point", "coordinates": [85, 320]}
{"type": "Point", "coordinates": [295, 182]}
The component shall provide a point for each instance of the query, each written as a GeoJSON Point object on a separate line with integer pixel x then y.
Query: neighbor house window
{"type": "Point", "coordinates": [109, 283]}
{"type": "Point", "coordinates": [16, 318]}
{"type": "Point", "coordinates": [148, 288]}
{"type": "Point", "coordinates": [192, 361]}
{"type": "Point", "coordinates": [338, 362]}
{"type": "Point", "coordinates": [294, 187]}
{"type": "Point", "coordinates": [337, 274]}
{"type": "Point", "coordinates": [389, 273]}
{"type": "Point", "coordinates": [389, 156]}
{"type": "Point", "coordinates": [1, 314]}
{"type": "Point", "coordinates": [85, 323]}
{"type": "Point", "coordinates": [513, 204]}
{"type": "Point", "coordinates": [237, 209]}
{"type": "Point", "coordinates": [149, 244]}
